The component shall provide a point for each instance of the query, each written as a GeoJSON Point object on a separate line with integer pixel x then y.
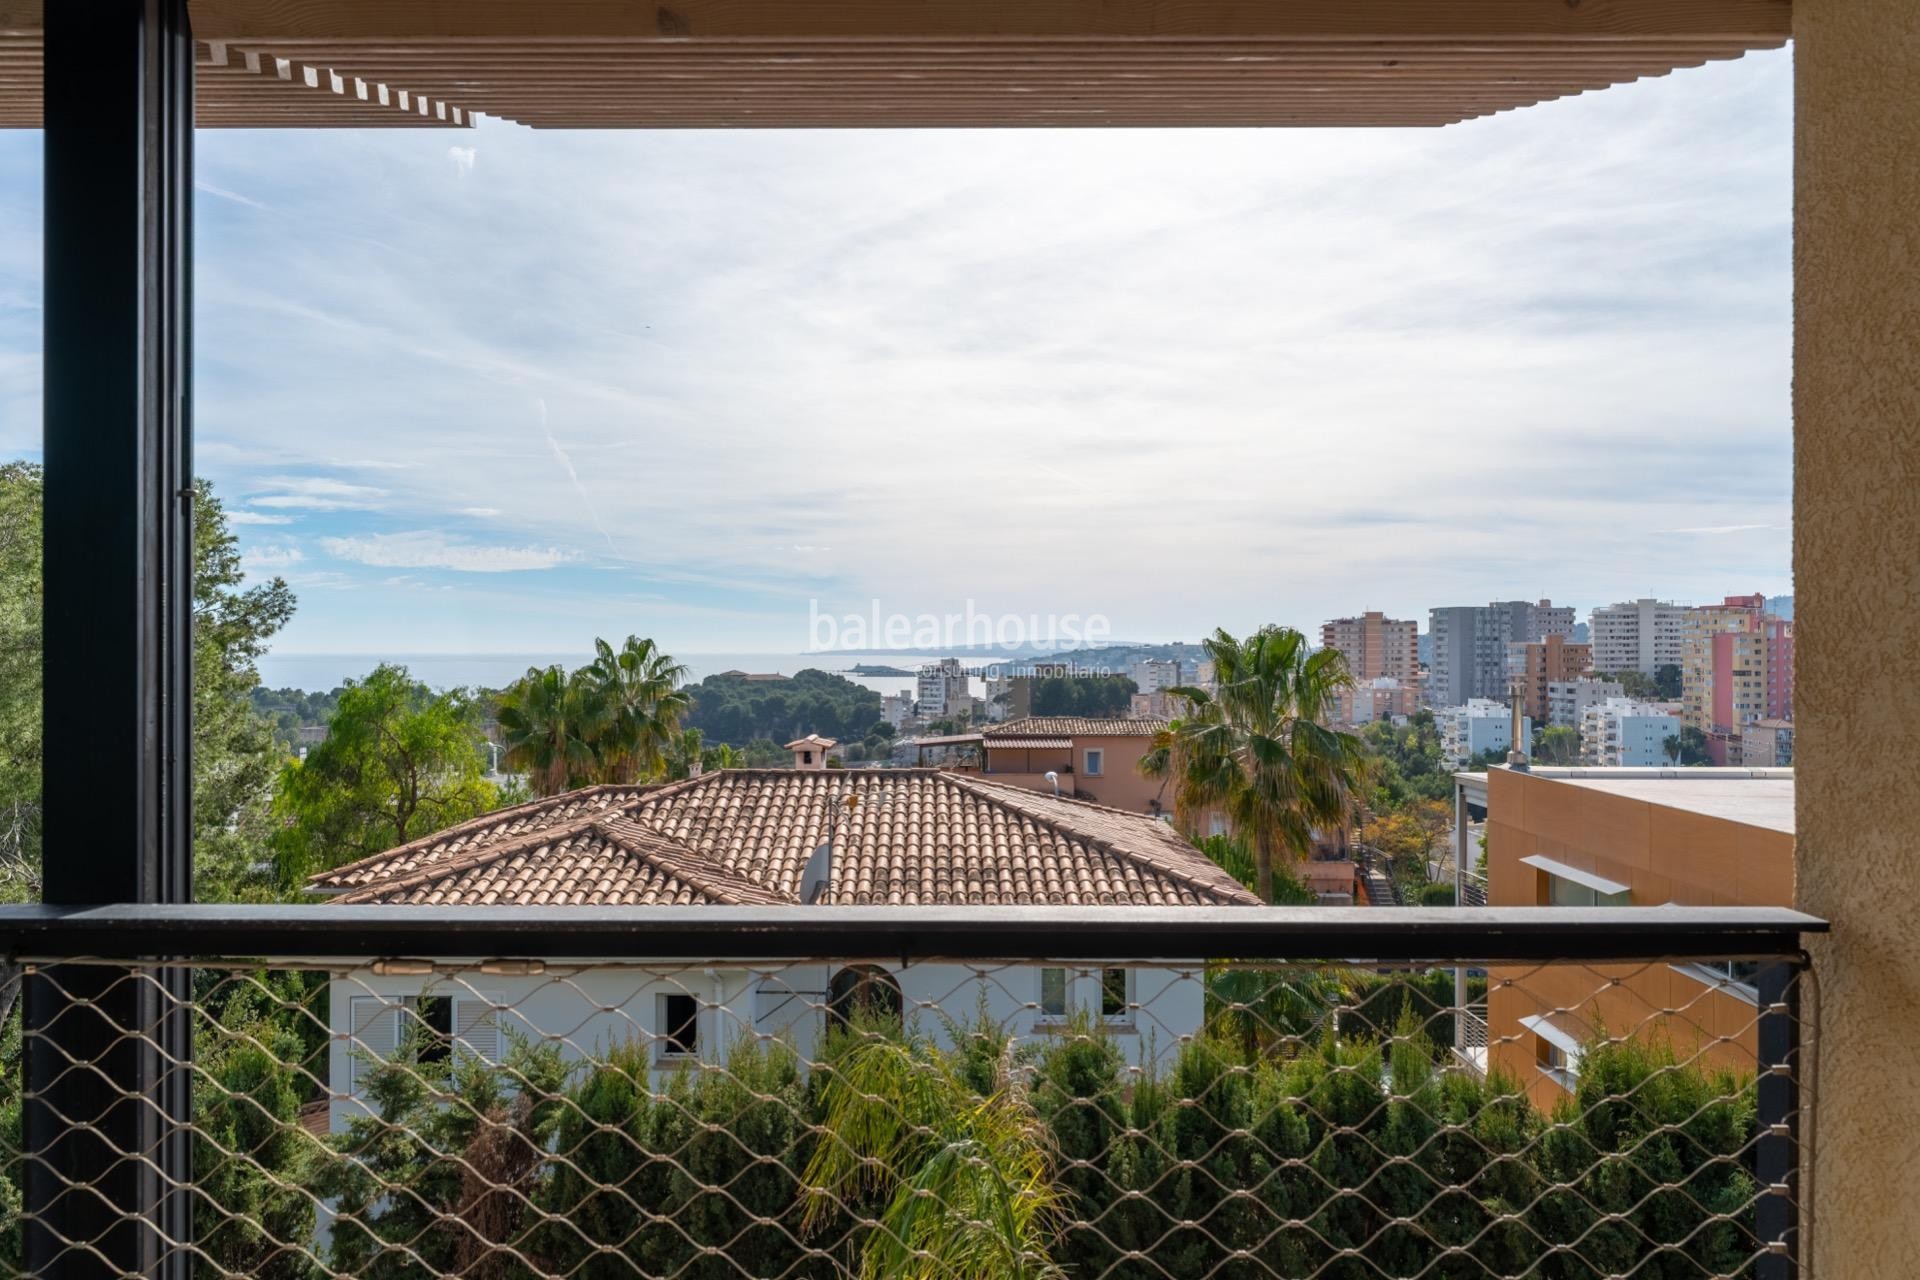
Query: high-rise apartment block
{"type": "Point", "coordinates": [1637, 635]}
{"type": "Point", "coordinates": [1470, 644]}
{"type": "Point", "coordinates": [1539, 664]}
{"type": "Point", "coordinates": [1737, 668]}
{"type": "Point", "coordinates": [1376, 645]}
{"type": "Point", "coordinates": [943, 690]}
{"type": "Point", "coordinates": [1568, 700]}
{"type": "Point", "coordinates": [1620, 732]}
{"type": "Point", "coordinates": [1476, 727]}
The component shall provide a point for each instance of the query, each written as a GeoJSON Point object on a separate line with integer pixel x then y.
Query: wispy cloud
{"type": "Point", "coordinates": [424, 549]}
{"type": "Point", "coordinates": [262, 559]}
{"type": "Point", "coordinates": [573, 476]}
{"type": "Point", "coordinates": [316, 493]}
{"type": "Point", "coordinates": [1721, 528]}
{"type": "Point", "coordinates": [1180, 378]}
{"type": "Point", "coordinates": [242, 516]}
{"type": "Point", "coordinates": [233, 196]}
{"type": "Point", "coordinates": [463, 158]}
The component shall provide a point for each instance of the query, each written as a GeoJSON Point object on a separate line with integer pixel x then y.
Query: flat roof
{"type": "Point", "coordinates": [1757, 801]}
{"type": "Point", "coordinates": [1756, 797]}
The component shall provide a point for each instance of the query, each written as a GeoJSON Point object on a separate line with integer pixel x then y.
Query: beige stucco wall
{"type": "Point", "coordinates": [1857, 588]}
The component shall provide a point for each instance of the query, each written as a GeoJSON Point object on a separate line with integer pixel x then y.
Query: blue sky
{"type": "Point", "coordinates": [503, 390]}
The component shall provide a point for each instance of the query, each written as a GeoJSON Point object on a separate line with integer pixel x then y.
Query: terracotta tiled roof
{"type": "Point", "coordinates": [743, 836]}
{"type": "Point", "coordinates": [1070, 726]}
{"type": "Point", "coordinates": [462, 843]}
{"type": "Point", "coordinates": [812, 740]}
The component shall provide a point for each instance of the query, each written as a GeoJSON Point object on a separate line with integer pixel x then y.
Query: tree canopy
{"type": "Point", "coordinates": [615, 720]}
{"type": "Point", "coordinates": [234, 759]}
{"type": "Point", "coordinates": [734, 710]}
{"type": "Point", "coordinates": [1261, 749]}
{"type": "Point", "coordinates": [399, 761]}
{"type": "Point", "coordinates": [1082, 695]}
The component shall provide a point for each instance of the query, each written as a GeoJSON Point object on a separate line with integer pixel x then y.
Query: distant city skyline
{"type": "Point", "coordinates": [513, 393]}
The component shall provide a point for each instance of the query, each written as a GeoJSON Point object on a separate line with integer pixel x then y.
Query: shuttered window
{"type": "Point", "coordinates": [476, 1027]}
{"type": "Point", "coordinates": [381, 1024]}
{"type": "Point", "coordinates": [374, 1033]}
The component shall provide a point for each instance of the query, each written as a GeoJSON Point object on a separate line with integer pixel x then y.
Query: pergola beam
{"type": "Point", "coordinates": [990, 20]}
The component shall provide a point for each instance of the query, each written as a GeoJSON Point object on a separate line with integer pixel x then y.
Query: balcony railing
{"type": "Point", "coordinates": [839, 1093]}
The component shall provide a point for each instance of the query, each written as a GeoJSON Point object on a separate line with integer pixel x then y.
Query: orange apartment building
{"type": "Point", "coordinates": [1619, 837]}
{"type": "Point", "coordinates": [1553, 659]}
{"type": "Point", "coordinates": [1383, 654]}
{"type": "Point", "coordinates": [1094, 758]}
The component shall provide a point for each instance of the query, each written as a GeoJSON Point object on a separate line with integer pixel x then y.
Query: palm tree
{"type": "Point", "coordinates": [1166, 759]}
{"type": "Point", "coordinates": [545, 725]}
{"type": "Point", "coordinates": [685, 755]}
{"type": "Point", "coordinates": [724, 756]}
{"type": "Point", "coordinates": [1260, 749]}
{"type": "Point", "coordinates": [636, 702]}
{"type": "Point", "coordinates": [968, 1179]}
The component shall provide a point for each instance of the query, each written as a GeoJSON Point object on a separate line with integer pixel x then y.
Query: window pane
{"type": "Point", "coordinates": [1113, 993]}
{"type": "Point", "coordinates": [1053, 993]}
{"type": "Point", "coordinates": [679, 1025]}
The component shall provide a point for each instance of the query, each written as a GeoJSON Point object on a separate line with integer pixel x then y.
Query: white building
{"type": "Point", "coordinates": [1637, 635]}
{"type": "Point", "coordinates": [897, 709]}
{"type": "Point", "coordinates": [842, 838]}
{"type": "Point", "coordinates": [1623, 733]}
{"type": "Point", "coordinates": [1478, 726]}
{"type": "Point", "coordinates": [999, 697]}
{"type": "Point", "coordinates": [943, 690]}
{"type": "Point", "coordinates": [1568, 700]}
{"type": "Point", "coordinates": [1155, 675]}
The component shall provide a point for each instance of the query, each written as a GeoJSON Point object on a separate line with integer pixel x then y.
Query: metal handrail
{"type": "Point", "coordinates": [1250, 933]}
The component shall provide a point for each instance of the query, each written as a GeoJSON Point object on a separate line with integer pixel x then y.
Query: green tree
{"type": "Point", "coordinates": [234, 759]}
{"type": "Point", "coordinates": [399, 761]}
{"type": "Point", "coordinates": [1082, 695]}
{"type": "Point", "coordinates": [439, 1180]}
{"type": "Point", "coordinates": [20, 579]}
{"type": "Point", "coordinates": [1635, 684]}
{"type": "Point", "coordinates": [546, 725]}
{"type": "Point", "coordinates": [1688, 747]}
{"type": "Point", "coordinates": [1667, 682]}
{"type": "Point", "coordinates": [1261, 749]}
{"type": "Point", "coordinates": [635, 703]}
{"type": "Point", "coordinates": [1557, 744]}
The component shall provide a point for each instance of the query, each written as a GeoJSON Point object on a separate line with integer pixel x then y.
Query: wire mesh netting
{"type": "Point", "coordinates": [952, 1119]}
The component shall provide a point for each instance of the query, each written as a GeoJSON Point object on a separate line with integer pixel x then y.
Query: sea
{"type": "Point", "coordinates": [322, 672]}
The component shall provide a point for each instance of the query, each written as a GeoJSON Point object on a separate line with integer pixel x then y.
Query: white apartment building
{"type": "Point", "coordinates": [1568, 700]}
{"type": "Point", "coordinates": [897, 709]}
{"type": "Point", "coordinates": [1477, 726]}
{"type": "Point", "coordinates": [1637, 635]}
{"type": "Point", "coordinates": [943, 690]}
{"type": "Point", "coordinates": [1155, 675]}
{"type": "Point", "coordinates": [1622, 733]}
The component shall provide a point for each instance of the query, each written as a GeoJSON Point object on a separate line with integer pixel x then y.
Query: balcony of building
{"type": "Point", "coordinates": [881, 1091]}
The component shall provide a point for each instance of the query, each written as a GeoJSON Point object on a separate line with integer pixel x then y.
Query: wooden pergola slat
{"type": "Point", "coordinates": [923, 63]}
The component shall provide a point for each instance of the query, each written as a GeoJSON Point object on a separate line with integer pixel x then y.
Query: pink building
{"type": "Point", "coordinates": [1739, 669]}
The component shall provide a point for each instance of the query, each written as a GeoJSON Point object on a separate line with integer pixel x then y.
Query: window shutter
{"type": "Point", "coordinates": [476, 1027]}
{"type": "Point", "coordinates": [374, 1032]}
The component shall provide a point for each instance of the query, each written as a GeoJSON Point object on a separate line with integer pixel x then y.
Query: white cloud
{"type": "Point", "coordinates": [1178, 377]}
{"type": "Point", "coordinates": [263, 560]}
{"type": "Point", "coordinates": [233, 196]}
{"type": "Point", "coordinates": [316, 493]}
{"type": "Point", "coordinates": [424, 549]}
{"type": "Point", "coordinates": [243, 516]}
{"type": "Point", "coordinates": [463, 158]}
